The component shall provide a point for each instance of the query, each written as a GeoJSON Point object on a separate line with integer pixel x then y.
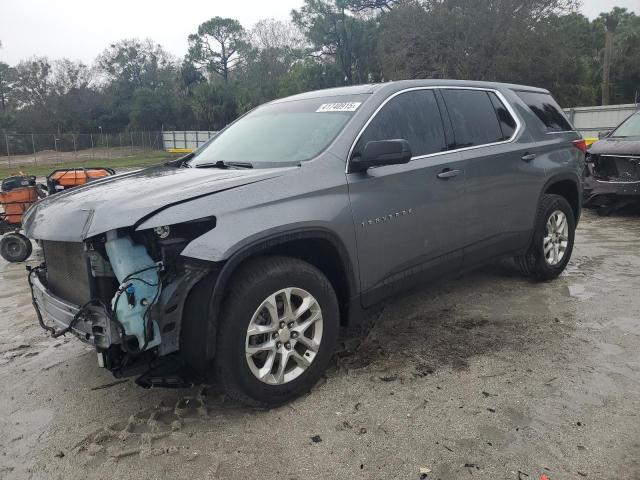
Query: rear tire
{"type": "Point", "coordinates": [552, 242]}
{"type": "Point", "coordinates": [250, 366]}
{"type": "Point", "coordinates": [15, 247]}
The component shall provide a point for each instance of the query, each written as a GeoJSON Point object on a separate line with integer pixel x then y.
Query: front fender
{"type": "Point", "coordinates": [238, 230]}
{"type": "Point", "coordinates": [313, 197]}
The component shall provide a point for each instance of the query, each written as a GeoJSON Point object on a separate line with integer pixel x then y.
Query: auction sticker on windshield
{"type": "Point", "coordinates": [339, 107]}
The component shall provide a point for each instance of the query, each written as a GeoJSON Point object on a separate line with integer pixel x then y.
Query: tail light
{"type": "Point", "coordinates": [580, 144]}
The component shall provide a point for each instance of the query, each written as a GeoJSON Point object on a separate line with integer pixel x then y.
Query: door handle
{"type": "Point", "coordinates": [447, 173]}
{"type": "Point", "coordinates": [527, 157]}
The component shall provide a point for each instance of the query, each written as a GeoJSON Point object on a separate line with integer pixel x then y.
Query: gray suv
{"type": "Point", "coordinates": [239, 263]}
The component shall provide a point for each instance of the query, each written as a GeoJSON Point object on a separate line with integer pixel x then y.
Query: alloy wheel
{"type": "Point", "coordinates": [556, 238]}
{"type": "Point", "coordinates": [283, 336]}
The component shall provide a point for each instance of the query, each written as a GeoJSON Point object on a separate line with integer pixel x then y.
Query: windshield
{"type": "Point", "coordinates": [281, 133]}
{"type": "Point", "coordinates": [629, 128]}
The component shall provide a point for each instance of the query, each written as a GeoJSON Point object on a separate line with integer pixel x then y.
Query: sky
{"type": "Point", "coordinates": [82, 29]}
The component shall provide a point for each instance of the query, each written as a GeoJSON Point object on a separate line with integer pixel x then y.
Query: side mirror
{"type": "Point", "coordinates": [604, 134]}
{"type": "Point", "coordinates": [380, 153]}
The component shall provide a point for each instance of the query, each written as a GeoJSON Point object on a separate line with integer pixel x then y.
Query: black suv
{"type": "Point", "coordinates": [240, 261]}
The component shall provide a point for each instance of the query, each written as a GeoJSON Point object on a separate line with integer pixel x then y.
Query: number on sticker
{"type": "Point", "coordinates": [339, 107]}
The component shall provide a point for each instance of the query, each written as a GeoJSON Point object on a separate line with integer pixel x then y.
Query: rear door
{"type": "Point", "coordinates": [503, 178]}
{"type": "Point", "coordinates": [408, 220]}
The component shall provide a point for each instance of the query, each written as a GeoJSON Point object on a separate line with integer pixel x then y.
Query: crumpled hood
{"type": "Point", "coordinates": [616, 146]}
{"type": "Point", "coordinates": [125, 199]}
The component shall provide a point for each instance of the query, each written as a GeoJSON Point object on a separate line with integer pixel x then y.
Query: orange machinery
{"type": "Point", "coordinates": [15, 202]}
{"type": "Point", "coordinates": [20, 192]}
{"type": "Point", "coordinates": [65, 178]}
{"type": "Point", "coordinates": [17, 195]}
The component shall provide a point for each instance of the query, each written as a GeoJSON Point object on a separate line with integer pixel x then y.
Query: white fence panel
{"type": "Point", "coordinates": [182, 141]}
{"type": "Point", "coordinates": [589, 121]}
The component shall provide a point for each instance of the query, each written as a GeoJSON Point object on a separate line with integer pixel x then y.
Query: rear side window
{"type": "Point", "coordinates": [506, 121]}
{"type": "Point", "coordinates": [473, 117]}
{"type": "Point", "coordinates": [413, 116]}
{"type": "Point", "coordinates": [547, 110]}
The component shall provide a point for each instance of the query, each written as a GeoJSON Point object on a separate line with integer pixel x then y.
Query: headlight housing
{"type": "Point", "coordinates": [165, 242]}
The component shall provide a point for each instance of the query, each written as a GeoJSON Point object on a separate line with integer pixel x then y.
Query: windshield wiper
{"type": "Point", "coordinates": [223, 164]}
{"type": "Point", "coordinates": [180, 162]}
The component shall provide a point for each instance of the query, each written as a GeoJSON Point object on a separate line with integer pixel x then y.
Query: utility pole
{"type": "Point", "coordinates": [611, 24]}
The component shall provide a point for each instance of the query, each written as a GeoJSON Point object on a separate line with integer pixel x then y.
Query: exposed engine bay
{"type": "Point", "coordinates": [611, 182]}
{"type": "Point", "coordinates": [124, 293]}
{"type": "Point", "coordinates": [611, 177]}
{"type": "Point", "coordinates": [613, 168]}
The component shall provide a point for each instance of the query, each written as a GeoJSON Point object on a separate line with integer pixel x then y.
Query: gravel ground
{"type": "Point", "coordinates": [488, 376]}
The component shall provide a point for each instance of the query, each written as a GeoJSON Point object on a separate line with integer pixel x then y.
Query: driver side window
{"type": "Point", "coordinates": [413, 116]}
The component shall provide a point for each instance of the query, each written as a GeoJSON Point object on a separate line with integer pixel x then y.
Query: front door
{"type": "Point", "coordinates": [408, 218]}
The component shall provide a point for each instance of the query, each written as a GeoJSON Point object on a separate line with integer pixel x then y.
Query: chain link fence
{"type": "Point", "coordinates": [43, 148]}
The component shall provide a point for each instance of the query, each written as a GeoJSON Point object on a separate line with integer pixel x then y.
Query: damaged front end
{"type": "Point", "coordinates": [611, 182]}
{"type": "Point", "coordinates": [123, 292]}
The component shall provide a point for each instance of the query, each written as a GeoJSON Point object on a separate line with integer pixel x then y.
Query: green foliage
{"type": "Point", "coordinates": [335, 30]}
{"type": "Point", "coordinates": [214, 105]}
{"type": "Point", "coordinates": [541, 42]}
{"type": "Point", "coordinates": [625, 68]}
{"type": "Point", "coordinates": [6, 74]}
{"type": "Point", "coordinates": [228, 70]}
{"type": "Point", "coordinates": [150, 108]}
{"type": "Point", "coordinates": [133, 63]}
{"type": "Point", "coordinates": [310, 75]}
{"type": "Point", "coordinates": [31, 82]}
{"type": "Point", "coordinates": [217, 47]}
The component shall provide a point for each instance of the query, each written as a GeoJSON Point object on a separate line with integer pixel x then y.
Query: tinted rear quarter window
{"type": "Point", "coordinates": [473, 117]}
{"type": "Point", "coordinates": [507, 122]}
{"type": "Point", "coordinates": [413, 116]}
{"type": "Point", "coordinates": [547, 110]}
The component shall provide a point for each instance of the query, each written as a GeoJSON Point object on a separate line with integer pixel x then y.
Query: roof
{"type": "Point", "coordinates": [333, 92]}
{"type": "Point", "coordinates": [402, 84]}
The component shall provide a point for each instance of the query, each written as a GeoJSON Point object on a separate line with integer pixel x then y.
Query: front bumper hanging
{"type": "Point", "coordinates": [90, 322]}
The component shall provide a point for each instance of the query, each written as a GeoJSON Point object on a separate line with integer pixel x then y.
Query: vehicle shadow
{"type": "Point", "coordinates": [442, 326]}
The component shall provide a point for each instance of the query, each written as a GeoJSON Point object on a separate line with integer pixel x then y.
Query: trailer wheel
{"type": "Point", "coordinates": [15, 247]}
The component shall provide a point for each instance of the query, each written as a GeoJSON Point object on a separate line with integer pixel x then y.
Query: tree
{"type": "Point", "coordinates": [73, 100]}
{"type": "Point", "coordinates": [32, 82]}
{"type": "Point", "coordinates": [190, 75]}
{"type": "Point", "coordinates": [214, 105]}
{"type": "Point", "coordinates": [134, 63]}
{"type": "Point", "coordinates": [137, 84]}
{"type": "Point", "coordinates": [625, 73]}
{"type": "Point", "coordinates": [275, 48]}
{"type": "Point", "coordinates": [6, 73]}
{"type": "Point", "coordinates": [224, 55]}
{"type": "Point", "coordinates": [310, 74]}
{"type": "Point", "coordinates": [539, 42]}
{"type": "Point", "coordinates": [151, 109]}
{"type": "Point", "coordinates": [127, 66]}
{"type": "Point", "coordinates": [69, 76]}
{"type": "Point", "coordinates": [271, 34]}
{"type": "Point", "coordinates": [333, 29]}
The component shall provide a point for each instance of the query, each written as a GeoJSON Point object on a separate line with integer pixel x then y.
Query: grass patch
{"type": "Point", "coordinates": [133, 161]}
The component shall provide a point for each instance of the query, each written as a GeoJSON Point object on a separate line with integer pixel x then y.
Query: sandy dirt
{"type": "Point", "coordinates": [489, 376]}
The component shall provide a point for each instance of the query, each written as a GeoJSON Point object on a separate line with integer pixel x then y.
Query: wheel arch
{"type": "Point", "coordinates": [567, 186]}
{"type": "Point", "coordinates": [321, 248]}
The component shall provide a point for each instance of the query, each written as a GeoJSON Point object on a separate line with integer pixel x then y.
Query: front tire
{"type": "Point", "coordinates": [15, 247]}
{"type": "Point", "coordinates": [552, 242]}
{"type": "Point", "coordinates": [278, 329]}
